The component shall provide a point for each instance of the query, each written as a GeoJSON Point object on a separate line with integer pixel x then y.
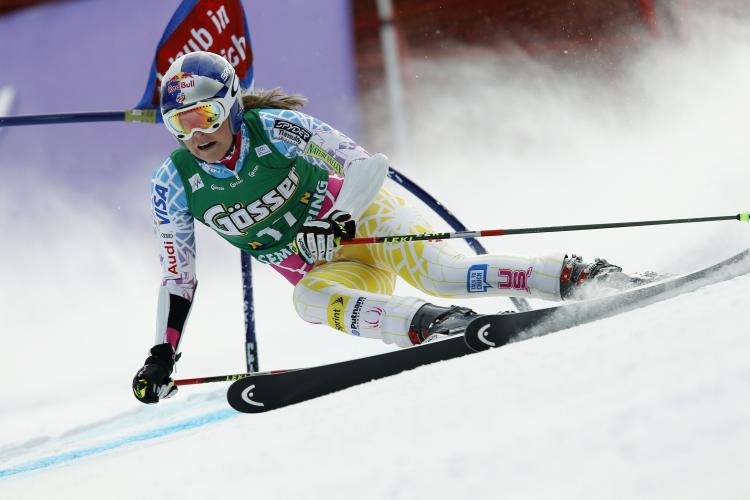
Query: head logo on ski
{"type": "Point", "coordinates": [247, 396]}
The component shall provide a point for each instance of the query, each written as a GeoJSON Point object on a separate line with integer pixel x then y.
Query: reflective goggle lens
{"type": "Point", "coordinates": [206, 116]}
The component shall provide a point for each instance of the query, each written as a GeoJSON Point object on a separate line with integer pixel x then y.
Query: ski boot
{"type": "Point", "coordinates": [432, 322]}
{"type": "Point", "coordinates": [578, 276]}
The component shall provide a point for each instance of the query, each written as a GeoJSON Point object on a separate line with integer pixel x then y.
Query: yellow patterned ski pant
{"type": "Point", "coordinates": [354, 293]}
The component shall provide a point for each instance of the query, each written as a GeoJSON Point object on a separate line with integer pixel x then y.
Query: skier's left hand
{"type": "Point", "coordinates": [318, 238]}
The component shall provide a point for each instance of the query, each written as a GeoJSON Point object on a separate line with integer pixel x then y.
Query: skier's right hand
{"type": "Point", "coordinates": [153, 382]}
{"type": "Point", "coordinates": [318, 239]}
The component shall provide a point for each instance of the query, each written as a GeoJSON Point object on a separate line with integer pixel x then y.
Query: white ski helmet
{"type": "Point", "coordinates": [199, 91]}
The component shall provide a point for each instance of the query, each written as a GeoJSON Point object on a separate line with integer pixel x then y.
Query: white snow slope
{"type": "Point", "coordinates": [651, 404]}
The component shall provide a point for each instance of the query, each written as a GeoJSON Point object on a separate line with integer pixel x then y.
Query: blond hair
{"type": "Point", "coordinates": [274, 98]}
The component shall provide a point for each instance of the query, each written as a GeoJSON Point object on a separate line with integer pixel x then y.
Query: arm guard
{"type": "Point", "coordinates": [362, 181]}
{"type": "Point", "coordinates": [174, 229]}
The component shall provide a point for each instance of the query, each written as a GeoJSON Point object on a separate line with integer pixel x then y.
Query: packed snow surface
{"type": "Point", "coordinates": [649, 404]}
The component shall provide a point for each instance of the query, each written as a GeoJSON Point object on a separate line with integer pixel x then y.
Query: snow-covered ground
{"type": "Point", "coordinates": [651, 404]}
{"type": "Point", "coordinates": [654, 403]}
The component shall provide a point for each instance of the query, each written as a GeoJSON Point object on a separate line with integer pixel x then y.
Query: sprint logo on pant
{"type": "Point", "coordinates": [336, 312]}
{"type": "Point", "coordinates": [234, 220]}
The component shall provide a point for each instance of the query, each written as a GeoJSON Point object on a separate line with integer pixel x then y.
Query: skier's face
{"type": "Point", "coordinates": [211, 147]}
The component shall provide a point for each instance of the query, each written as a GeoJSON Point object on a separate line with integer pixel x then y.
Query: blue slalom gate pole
{"type": "Point", "coordinates": [130, 115]}
{"type": "Point", "coordinates": [251, 342]}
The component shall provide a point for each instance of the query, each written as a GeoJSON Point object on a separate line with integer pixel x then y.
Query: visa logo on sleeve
{"type": "Point", "coordinates": [476, 280]}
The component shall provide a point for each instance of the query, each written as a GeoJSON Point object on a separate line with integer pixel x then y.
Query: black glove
{"type": "Point", "coordinates": [153, 382]}
{"type": "Point", "coordinates": [318, 238]}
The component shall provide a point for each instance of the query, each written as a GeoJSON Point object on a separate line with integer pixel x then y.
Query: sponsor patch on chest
{"type": "Point", "coordinates": [316, 151]}
{"type": "Point", "coordinates": [235, 219]}
{"type": "Point", "coordinates": [196, 182]}
{"type": "Point", "coordinates": [291, 133]}
{"type": "Point", "coordinates": [262, 150]}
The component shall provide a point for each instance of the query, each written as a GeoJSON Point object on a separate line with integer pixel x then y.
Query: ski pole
{"type": "Point", "coordinates": [206, 380]}
{"type": "Point", "coordinates": [744, 217]}
{"type": "Point", "coordinates": [221, 378]}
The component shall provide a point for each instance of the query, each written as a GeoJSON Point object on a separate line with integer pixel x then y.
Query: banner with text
{"type": "Point", "coordinates": [217, 26]}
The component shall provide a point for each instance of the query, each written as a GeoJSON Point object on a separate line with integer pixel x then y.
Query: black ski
{"type": "Point", "coordinates": [260, 392]}
{"type": "Point", "coordinates": [490, 331]}
{"type": "Point", "coordinates": [270, 390]}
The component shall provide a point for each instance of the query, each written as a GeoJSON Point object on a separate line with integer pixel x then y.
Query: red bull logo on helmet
{"type": "Point", "coordinates": [179, 82]}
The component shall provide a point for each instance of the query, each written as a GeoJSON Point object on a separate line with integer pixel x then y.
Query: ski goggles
{"type": "Point", "coordinates": [204, 116]}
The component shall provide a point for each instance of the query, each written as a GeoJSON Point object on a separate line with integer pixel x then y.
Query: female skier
{"type": "Point", "coordinates": [286, 187]}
